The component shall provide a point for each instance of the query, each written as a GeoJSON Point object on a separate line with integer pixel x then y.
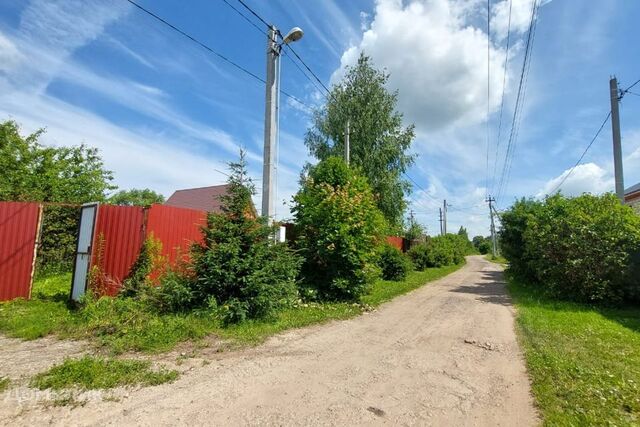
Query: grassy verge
{"type": "Point", "coordinates": [92, 373]}
{"type": "Point", "coordinates": [121, 325]}
{"type": "Point", "coordinates": [584, 362]}
{"type": "Point", "coordinates": [498, 259]}
{"type": "Point", "coordinates": [253, 332]}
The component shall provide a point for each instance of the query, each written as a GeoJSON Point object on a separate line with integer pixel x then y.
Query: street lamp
{"type": "Point", "coordinates": [271, 114]}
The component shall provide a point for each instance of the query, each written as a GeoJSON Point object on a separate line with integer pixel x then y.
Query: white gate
{"type": "Point", "coordinates": [82, 259]}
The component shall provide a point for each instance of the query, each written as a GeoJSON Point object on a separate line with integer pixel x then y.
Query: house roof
{"type": "Point", "coordinates": [202, 198]}
{"type": "Point", "coordinates": [632, 189]}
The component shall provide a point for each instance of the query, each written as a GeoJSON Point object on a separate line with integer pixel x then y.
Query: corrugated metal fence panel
{"type": "Point", "coordinates": [120, 228]}
{"type": "Point", "coordinates": [396, 241]}
{"type": "Point", "coordinates": [18, 231]}
{"type": "Point", "coordinates": [177, 228]}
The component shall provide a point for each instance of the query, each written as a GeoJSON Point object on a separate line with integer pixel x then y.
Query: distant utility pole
{"type": "Point", "coordinates": [444, 217]}
{"type": "Point", "coordinates": [441, 226]}
{"type": "Point", "coordinates": [346, 143]}
{"type": "Point", "coordinates": [494, 246]}
{"type": "Point", "coordinates": [617, 146]}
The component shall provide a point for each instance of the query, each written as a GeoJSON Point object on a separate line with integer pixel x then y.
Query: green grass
{"type": "Point", "coordinates": [498, 259]}
{"type": "Point", "coordinates": [92, 373]}
{"type": "Point", "coordinates": [55, 287]}
{"type": "Point", "coordinates": [121, 325]}
{"type": "Point", "coordinates": [584, 362]}
{"type": "Point", "coordinates": [4, 383]}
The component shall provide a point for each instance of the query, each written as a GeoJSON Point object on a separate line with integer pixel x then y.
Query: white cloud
{"type": "Point", "coordinates": [436, 58]}
{"type": "Point", "coordinates": [10, 56]}
{"type": "Point", "coordinates": [585, 178]}
{"type": "Point", "coordinates": [520, 17]}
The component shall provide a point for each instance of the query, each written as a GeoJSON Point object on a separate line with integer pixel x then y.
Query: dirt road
{"type": "Point", "coordinates": [445, 354]}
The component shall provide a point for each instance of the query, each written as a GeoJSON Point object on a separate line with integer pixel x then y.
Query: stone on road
{"type": "Point", "coordinates": [444, 354]}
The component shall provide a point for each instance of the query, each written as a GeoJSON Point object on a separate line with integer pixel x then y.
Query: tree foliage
{"type": "Point", "coordinates": [482, 244]}
{"type": "Point", "coordinates": [136, 197]}
{"type": "Point", "coordinates": [394, 265]}
{"type": "Point", "coordinates": [239, 266]}
{"type": "Point", "coordinates": [339, 227]}
{"type": "Point", "coordinates": [378, 140]}
{"type": "Point", "coordinates": [583, 248]}
{"type": "Point", "coordinates": [30, 171]}
{"type": "Point", "coordinates": [440, 251]}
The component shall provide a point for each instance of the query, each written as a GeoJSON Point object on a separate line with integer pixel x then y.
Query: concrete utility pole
{"type": "Point", "coordinates": [444, 217]}
{"type": "Point", "coordinates": [494, 246]}
{"type": "Point", "coordinates": [270, 124]}
{"type": "Point", "coordinates": [346, 143]}
{"type": "Point", "coordinates": [271, 115]}
{"type": "Point", "coordinates": [617, 145]}
{"type": "Point", "coordinates": [441, 228]}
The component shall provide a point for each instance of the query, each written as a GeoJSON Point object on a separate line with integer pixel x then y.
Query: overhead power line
{"type": "Point", "coordinates": [557, 187]}
{"type": "Point", "coordinates": [504, 83]}
{"type": "Point", "coordinates": [627, 90]}
{"type": "Point", "coordinates": [420, 187]}
{"type": "Point", "coordinates": [254, 13]}
{"type": "Point", "coordinates": [209, 49]}
{"type": "Point", "coordinates": [245, 17]}
{"type": "Point", "coordinates": [486, 182]}
{"type": "Point", "coordinates": [307, 67]}
{"type": "Point", "coordinates": [517, 111]}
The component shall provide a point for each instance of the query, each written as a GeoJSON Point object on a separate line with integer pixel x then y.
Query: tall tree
{"type": "Point", "coordinates": [31, 171]}
{"type": "Point", "coordinates": [136, 197]}
{"type": "Point", "coordinates": [378, 140]}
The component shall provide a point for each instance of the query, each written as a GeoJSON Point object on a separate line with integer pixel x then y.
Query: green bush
{"type": "Point", "coordinates": [394, 265]}
{"type": "Point", "coordinates": [173, 294]}
{"type": "Point", "coordinates": [581, 248]}
{"type": "Point", "coordinates": [419, 255]}
{"type": "Point", "coordinates": [339, 228]}
{"type": "Point", "coordinates": [239, 264]}
{"type": "Point", "coordinates": [149, 261]}
{"type": "Point", "coordinates": [440, 251]}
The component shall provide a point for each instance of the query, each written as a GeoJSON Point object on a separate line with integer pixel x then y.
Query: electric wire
{"type": "Point", "coordinates": [245, 17]}
{"type": "Point", "coordinates": [519, 122]}
{"type": "Point", "coordinates": [508, 158]}
{"type": "Point", "coordinates": [486, 182]}
{"type": "Point", "coordinates": [254, 13]}
{"type": "Point", "coordinates": [604, 122]}
{"type": "Point", "coordinates": [504, 83]}
{"type": "Point", "coordinates": [209, 49]}
{"type": "Point", "coordinates": [625, 91]}
{"type": "Point", "coordinates": [288, 47]}
{"type": "Point", "coordinates": [307, 67]}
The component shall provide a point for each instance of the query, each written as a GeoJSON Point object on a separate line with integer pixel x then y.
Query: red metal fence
{"type": "Point", "coordinates": [396, 241]}
{"type": "Point", "coordinates": [117, 238]}
{"type": "Point", "coordinates": [176, 228]}
{"type": "Point", "coordinates": [19, 226]}
{"type": "Point", "coordinates": [121, 230]}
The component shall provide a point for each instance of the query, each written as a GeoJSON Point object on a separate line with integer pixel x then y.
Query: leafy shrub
{"type": "Point", "coordinates": [581, 248]}
{"type": "Point", "coordinates": [393, 264]}
{"type": "Point", "coordinates": [150, 261]}
{"type": "Point", "coordinates": [173, 294]}
{"type": "Point", "coordinates": [57, 244]}
{"type": "Point", "coordinates": [482, 244]}
{"type": "Point", "coordinates": [440, 251]}
{"type": "Point", "coordinates": [239, 264]}
{"type": "Point", "coordinates": [339, 227]}
{"type": "Point", "coordinates": [419, 255]}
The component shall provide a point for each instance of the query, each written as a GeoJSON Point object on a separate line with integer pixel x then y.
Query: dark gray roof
{"type": "Point", "coordinates": [632, 189]}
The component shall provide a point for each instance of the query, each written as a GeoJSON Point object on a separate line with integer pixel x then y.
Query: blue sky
{"type": "Point", "coordinates": [166, 114]}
